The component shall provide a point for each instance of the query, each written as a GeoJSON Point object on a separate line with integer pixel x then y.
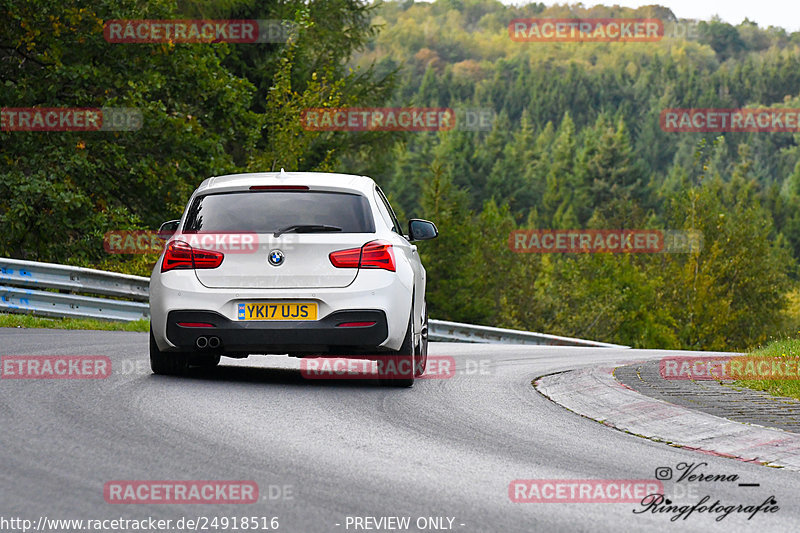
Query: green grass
{"type": "Point", "coordinates": [782, 349]}
{"type": "Point", "coordinates": [30, 321]}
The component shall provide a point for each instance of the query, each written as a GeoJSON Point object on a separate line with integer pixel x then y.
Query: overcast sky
{"type": "Point", "coordinates": [784, 13]}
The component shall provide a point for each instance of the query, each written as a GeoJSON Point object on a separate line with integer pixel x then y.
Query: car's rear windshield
{"type": "Point", "coordinates": [269, 211]}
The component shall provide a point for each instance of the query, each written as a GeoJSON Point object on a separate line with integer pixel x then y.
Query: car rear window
{"type": "Point", "coordinates": [268, 211]}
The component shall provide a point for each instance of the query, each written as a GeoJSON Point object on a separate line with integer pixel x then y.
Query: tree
{"type": "Point", "coordinates": [559, 192]}
{"type": "Point", "coordinates": [453, 262]}
{"type": "Point", "coordinates": [63, 190]}
{"type": "Point", "coordinates": [733, 292]}
{"type": "Point", "coordinates": [607, 179]}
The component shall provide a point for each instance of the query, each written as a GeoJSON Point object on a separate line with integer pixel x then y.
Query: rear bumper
{"type": "Point", "coordinates": [269, 337]}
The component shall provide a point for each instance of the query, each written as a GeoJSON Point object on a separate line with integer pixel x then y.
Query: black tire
{"type": "Point", "coordinates": [401, 359]}
{"type": "Point", "coordinates": [166, 363]}
{"type": "Point", "coordinates": [421, 358]}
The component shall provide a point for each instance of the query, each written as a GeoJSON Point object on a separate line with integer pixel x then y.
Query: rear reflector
{"type": "Point", "coordinates": [355, 324]}
{"type": "Point", "coordinates": [375, 254]}
{"type": "Point", "coordinates": [279, 188]}
{"type": "Point", "coordinates": [195, 325]}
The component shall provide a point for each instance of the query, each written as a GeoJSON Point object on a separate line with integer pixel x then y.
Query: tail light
{"type": "Point", "coordinates": [180, 256]}
{"type": "Point", "coordinates": [279, 188]}
{"type": "Point", "coordinates": [375, 254]}
{"type": "Point", "coordinates": [346, 258]}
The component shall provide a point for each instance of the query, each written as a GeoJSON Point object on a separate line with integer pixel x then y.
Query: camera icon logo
{"type": "Point", "coordinates": [663, 473]}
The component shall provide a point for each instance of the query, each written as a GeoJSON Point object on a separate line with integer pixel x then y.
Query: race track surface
{"type": "Point", "coordinates": [321, 451]}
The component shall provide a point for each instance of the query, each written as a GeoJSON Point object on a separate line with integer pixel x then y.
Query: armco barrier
{"type": "Point", "coordinates": [443, 331]}
{"type": "Point", "coordinates": [21, 284]}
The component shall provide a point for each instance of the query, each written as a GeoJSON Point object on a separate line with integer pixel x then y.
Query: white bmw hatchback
{"type": "Point", "coordinates": [297, 263]}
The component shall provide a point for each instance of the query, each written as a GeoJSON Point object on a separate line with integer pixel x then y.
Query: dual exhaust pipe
{"type": "Point", "coordinates": [207, 342]}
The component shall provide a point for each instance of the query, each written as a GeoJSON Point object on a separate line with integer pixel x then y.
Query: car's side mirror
{"type": "Point", "coordinates": [421, 230]}
{"type": "Point", "coordinates": [168, 229]}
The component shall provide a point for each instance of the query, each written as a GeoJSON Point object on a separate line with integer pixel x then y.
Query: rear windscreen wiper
{"type": "Point", "coordinates": [306, 228]}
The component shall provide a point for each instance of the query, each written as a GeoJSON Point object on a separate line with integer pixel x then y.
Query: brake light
{"type": "Point", "coordinates": [375, 254]}
{"type": "Point", "coordinates": [180, 256]}
{"type": "Point", "coordinates": [177, 257]}
{"type": "Point", "coordinates": [346, 258]}
{"type": "Point", "coordinates": [279, 188]}
{"type": "Point", "coordinates": [207, 258]}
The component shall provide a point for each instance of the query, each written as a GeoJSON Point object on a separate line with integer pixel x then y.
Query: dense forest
{"type": "Point", "coordinates": [575, 143]}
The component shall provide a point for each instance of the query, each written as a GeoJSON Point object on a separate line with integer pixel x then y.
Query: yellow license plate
{"type": "Point", "coordinates": [278, 311]}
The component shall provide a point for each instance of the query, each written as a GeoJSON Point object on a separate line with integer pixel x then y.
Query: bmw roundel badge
{"type": "Point", "coordinates": [276, 258]}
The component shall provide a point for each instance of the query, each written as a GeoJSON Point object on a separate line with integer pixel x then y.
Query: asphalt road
{"type": "Point", "coordinates": [323, 451]}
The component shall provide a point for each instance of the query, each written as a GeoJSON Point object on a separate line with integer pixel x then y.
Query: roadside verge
{"type": "Point", "coordinates": [594, 393]}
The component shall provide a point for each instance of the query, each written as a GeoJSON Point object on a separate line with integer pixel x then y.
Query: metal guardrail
{"type": "Point", "coordinates": [53, 276]}
{"type": "Point", "coordinates": [70, 305]}
{"type": "Point", "coordinates": [444, 331]}
{"type": "Point", "coordinates": [21, 283]}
